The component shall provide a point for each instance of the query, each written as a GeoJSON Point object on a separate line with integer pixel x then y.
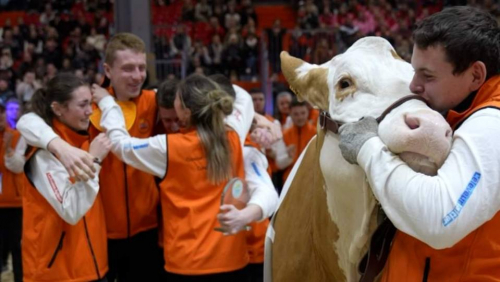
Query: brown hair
{"type": "Point", "coordinates": [123, 41]}
{"type": "Point", "coordinates": [209, 105]}
{"type": "Point", "coordinates": [59, 89]}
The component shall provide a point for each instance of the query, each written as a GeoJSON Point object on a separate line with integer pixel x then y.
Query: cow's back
{"type": "Point", "coordinates": [303, 248]}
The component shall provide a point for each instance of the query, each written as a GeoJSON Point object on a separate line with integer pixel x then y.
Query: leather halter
{"type": "Point", "coordinates": [325, 121]}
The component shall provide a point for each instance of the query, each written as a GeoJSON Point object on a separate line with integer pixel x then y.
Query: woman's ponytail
{"type": "Point", "coordinates": [40, 105]}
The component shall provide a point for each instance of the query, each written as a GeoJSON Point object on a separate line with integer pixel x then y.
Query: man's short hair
{"type": "Point", "coordinates": [123, 41]}
{"type": "Point", "coordinates": [296, 103]}
{"type": "Point", "coordinates": [255, 91]}
{"type": "Point", "coordinates": [467, 35]}
{"type": "Point", "coordinates": [224, 83]}
{"type": "Point", "coordinates": [165, 95]}
{"type": "Point", "coordinates": [284, 93]}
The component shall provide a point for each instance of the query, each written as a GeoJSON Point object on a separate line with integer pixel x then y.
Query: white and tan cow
{"type": "Point", "coordinates": [327, 211]}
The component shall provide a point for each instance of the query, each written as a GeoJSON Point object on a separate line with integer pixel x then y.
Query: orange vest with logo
{"type": "Point", "coordinates": [53, 250]}
{"type": "Point", "coordinates": [300, 137]}
{"type": "Point", "coordinates": [190, 204]}
{"type": "Point", "coordinates": [477, 256]}
{"type": "Point", "coordinates": [12, 183]}
{"type": "Point", "coordinates": [130, 196]}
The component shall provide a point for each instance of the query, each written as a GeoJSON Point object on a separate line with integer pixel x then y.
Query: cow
{"type": "Point", "coordinates": [327, 212]}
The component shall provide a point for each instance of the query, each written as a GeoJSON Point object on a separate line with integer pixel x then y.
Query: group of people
{"type": "Point", "coordinates": [93, 216]}
{"type": "Point", "coordinates": [52, 37]}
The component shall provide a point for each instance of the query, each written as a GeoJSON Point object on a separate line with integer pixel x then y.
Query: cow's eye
{"type": "Point", "coordinates": [345, 83]}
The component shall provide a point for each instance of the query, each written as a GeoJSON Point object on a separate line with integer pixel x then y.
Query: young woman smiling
{"type": "Point", "coordinates": [64, 231]}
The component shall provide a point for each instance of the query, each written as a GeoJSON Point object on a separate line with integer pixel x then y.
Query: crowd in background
{"type": "Point", "coordinates": [328, 27]}
{"type": "Point", "coordinates": [54, 36]}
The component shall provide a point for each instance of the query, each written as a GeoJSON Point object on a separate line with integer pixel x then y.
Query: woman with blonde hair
{"type": "Point", "coordinates": [195, 167]}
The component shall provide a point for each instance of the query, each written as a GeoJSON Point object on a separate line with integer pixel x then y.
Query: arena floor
{"type": "Point", "coordinates": [8, 276]}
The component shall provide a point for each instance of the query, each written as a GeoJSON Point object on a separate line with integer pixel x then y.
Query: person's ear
{"type": "Point", "coordinates": [56, 108]}
{"type": "Point", "coordinates": [107, 70]}
{"type": "Point", "coordinates": [479, 73]}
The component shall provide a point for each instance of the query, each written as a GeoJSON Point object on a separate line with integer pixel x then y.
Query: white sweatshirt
{"type": "Point", "coordinates": [15, 163]}
{"type": "Point", "coordinates": [443, 209]}
{"type": "Point", "coordinates": [71, 201]}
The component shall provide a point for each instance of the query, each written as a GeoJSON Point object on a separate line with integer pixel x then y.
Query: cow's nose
{"type": "Point", "coordinates": [427, 121]}
{"type": "Point", "coordinates": [413, 122]}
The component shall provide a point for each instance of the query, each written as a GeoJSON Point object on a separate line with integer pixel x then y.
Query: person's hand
{"type": "Point", "coordinates": [274, 130]}
{"type": "Point", "coordinates": [7, 143]}
{"type": "Point", "coordinates": [262, 136]}
{"type": "Point", "coordinates": [98, 93]}
{"type": "Point", "coordinates": [232, 220]}
{"type": "Point", "coordinates": [78, 163]}
{"type": "Point", "coordinates": [100, 146]}
{"type": "Point", "coordinates": [291, 150]}
{"type": "Point", "coordinates": [354, 135]}
{"type": "Point", "coordinates": [271, 154]}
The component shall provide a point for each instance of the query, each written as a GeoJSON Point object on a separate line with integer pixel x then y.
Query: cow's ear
{"type": "Point", "coordinates": [308, 82]}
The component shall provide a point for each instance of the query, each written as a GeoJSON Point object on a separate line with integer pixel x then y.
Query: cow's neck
{"type": "Point", "coordinates": [351, 205]}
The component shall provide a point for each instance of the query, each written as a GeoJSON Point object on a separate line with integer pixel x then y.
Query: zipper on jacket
{"type": "Point", "coordinates": [427, 269]}
{"type": "Point", "coordinates": [126, 199]}
{"type": "Point", "coordinates": [91, 249]}
{"type": "Point", "coordinates": [58, 248]}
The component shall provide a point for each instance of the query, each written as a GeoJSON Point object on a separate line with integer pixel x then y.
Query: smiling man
{"type": "Point", "coordinates": [448, 223]}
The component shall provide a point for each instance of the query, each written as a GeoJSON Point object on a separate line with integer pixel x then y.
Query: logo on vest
{"type": "Point", "coordinates": [143, 126]}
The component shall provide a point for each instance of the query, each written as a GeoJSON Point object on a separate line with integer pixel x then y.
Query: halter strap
{"type": "Point", "coordinates": [325, 121]}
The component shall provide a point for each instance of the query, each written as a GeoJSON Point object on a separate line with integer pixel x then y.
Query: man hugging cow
{"type": "Point", "coordinates": [448, 220]}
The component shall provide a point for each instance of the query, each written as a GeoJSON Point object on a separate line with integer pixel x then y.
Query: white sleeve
{"type": "Point", "coordinates": [441, 210]}
{"type": "Point", "coordinates": [262, 191]}
{"type": "Point", "coordinates": [15, 163]}
{"type": "Point", "coordinates": [36, 132]}
{"type": "Point", "coordinates": [288, 123]}
{"type": "Point", "coordinates": [282, 158]}
{"type": "Point", "coordinates": [146, 154]}
{"type": "Point", "coordinates": [71, 201]}
{"type": "Point", "coordinates": [241, 118]}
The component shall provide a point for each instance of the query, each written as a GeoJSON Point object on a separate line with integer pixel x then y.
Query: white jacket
{"type": "Point", "coordinates": [441, 210]}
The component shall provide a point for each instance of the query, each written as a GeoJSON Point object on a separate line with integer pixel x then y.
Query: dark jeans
{"type": "Point", "coordinates": [11, 224]}
{"type": "Point", "coordinates": [255, 272]}
{"type": "Point", "coordinates": [233, 276]}
{"type": "Point", "coordinates": [137, 258]}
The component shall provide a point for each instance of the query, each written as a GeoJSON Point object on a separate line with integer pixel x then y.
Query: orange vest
{"type": "Point", "coordinates": [300, 137]}
{"type": "Point", "coordinates": [130, 196]}
{"type": "Point", "coordinates": [283, 118]}
{"type": "Point", "coordinates": [53, 250]}
{"type": "Point", "coordinates": [190, 204]}
{"type": "Point", "coordinates": [12, 183]}
{"type": "Point", "coordinates": [313, 116]}
{"type": "Point", "coordinates": [477, 256]}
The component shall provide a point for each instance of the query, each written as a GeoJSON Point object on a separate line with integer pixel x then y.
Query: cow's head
{"type": "Point", "coordinates": [364, 81]}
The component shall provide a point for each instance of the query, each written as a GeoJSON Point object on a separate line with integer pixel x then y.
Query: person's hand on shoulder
{"type": "Point", "coordinates": [98, 93]}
